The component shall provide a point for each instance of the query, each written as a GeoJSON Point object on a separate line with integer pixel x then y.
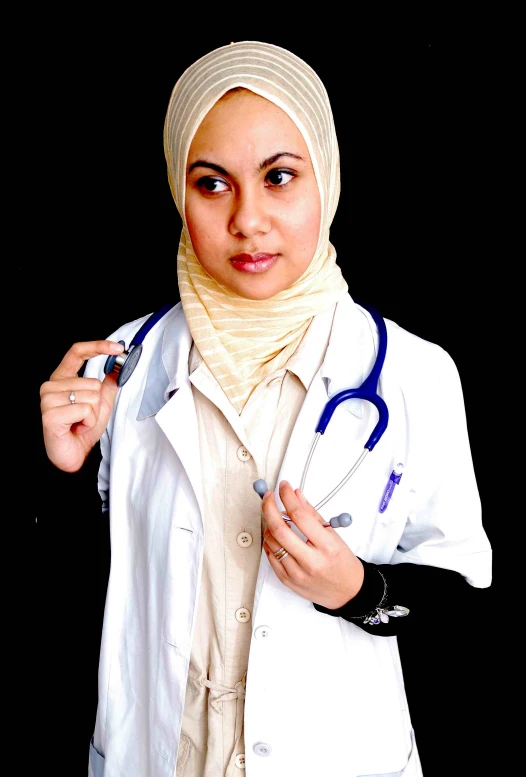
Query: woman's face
{"type": "Point", "coordinates": [252, 202]}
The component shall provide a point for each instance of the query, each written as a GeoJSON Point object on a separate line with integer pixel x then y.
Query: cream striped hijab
{"type": "Point", "coordinates": [243, 340]}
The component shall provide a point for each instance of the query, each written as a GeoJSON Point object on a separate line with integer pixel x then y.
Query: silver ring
{"type": "Point", "coordinates": [281, 554]}
{"type": "Point", "coordinates": [72, 398]}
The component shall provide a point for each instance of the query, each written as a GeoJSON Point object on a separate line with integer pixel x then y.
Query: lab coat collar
{"type": "Point", "coordinates": [304, 363]}
{"type": "Point", "coordinates": [309, 355]}
{"type": "Point", "coordinates": [168, 368]}
{"type": "Point", "coordinates": [353, 331]}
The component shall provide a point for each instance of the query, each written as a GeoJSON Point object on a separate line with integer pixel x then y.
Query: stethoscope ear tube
{"type": "Point", "coordinates": [360, 393]}
{"type": "Point", "coordinates": [368, 390]}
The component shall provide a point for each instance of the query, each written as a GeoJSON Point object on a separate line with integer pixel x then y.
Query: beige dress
{"type": "Point", "coordinates": [236, 451]}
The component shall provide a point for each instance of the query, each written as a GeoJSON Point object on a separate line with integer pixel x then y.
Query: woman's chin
{"type": "Point", "coordinates": [257, 291]}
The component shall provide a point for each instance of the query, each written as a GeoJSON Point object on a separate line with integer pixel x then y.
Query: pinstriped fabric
{"type": "Point", "coordinates": [244, 340]}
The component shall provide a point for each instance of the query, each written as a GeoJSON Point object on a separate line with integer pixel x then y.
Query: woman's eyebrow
{"type": "Point", "coordinates": [274, 158]}
{"type": "Point", "coordinates": [264, 164]}
{"type": "Point", "coordinates": [210, 165]}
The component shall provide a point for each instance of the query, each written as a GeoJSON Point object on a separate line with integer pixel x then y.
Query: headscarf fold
{"type": "Point", "coordinates": [244, 340]}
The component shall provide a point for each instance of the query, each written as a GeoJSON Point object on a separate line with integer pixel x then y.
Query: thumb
{"type": "Point", "coordinates": [109, 391]}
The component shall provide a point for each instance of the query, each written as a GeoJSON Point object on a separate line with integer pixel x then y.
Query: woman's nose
{"type": "Point", "coordinates": [250, 215]}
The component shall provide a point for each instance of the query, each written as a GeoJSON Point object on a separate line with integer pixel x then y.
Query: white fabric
{"type": "Point", "coordinates": [336, 675]}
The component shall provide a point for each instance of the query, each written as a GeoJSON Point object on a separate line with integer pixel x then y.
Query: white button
{"type": "Point", "coordinates": [243, 615]}
{"type": "Point", "coordinates": [261, 748]}
{"type": "Point", "coordinates": [262, 632]}
{"type": "Point", "coordinates": [240, 760]}
{"type": "Point", "coordinates": [243, 454]}
{"type": "Point", "coordinates": [244, 539]}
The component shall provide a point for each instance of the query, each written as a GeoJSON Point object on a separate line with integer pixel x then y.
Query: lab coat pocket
{"type": "Point", "coordinates": [180, 587]}
{"type": "Point", "coordinates": [96, 761]}
{"type": "Point", "coordinates": [374, 534]}
{"type": "Point", "coordinates": [411, 769]}
{"type": "Point", "coordinates": [387, 525]}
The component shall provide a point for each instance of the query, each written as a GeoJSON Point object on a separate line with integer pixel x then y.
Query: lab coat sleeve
{"type": "Point", "coordinates": [94, 368]}
{"type": "Point", "coordinates": [444, 522]}
{"type": "Point", "coordinates": [442, 563]}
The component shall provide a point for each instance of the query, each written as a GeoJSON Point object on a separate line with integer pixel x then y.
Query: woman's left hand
{"type": "Point", "coordinates": [324, 569]}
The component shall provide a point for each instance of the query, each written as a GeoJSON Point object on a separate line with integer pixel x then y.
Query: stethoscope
{"type": "Point", "coordinates": [125, 363]}
{"type": "Point", "coordinates": [367, 391]}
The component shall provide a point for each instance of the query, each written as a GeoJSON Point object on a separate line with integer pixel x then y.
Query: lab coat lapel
{"type": "Point", "coordinates": [168, 396]}
{"type": "Point", "coordinates": [178, 421]}
{"type": "Point", "coordinates": [302, 435]}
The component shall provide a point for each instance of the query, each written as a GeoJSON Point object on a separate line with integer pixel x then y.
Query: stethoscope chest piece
{"type": "Point", "coordinates": [124, 363]}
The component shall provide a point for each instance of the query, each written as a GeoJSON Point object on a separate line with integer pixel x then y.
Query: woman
{"type": "Point", "coordinates": [215, 657]}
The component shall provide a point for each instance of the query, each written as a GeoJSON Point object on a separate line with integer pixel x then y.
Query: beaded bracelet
{"type": "Point", "coordinates": [382, 614]}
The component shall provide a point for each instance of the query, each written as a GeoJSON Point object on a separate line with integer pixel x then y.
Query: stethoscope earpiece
{"type": "Point", "coordinates": [338, 522]}
{"type": "Point", "coordinates": [260, 487]}
{"type": "Point", "coordinates": [124, 363]}
{"type": "Point", "coordinates": [341, 521]}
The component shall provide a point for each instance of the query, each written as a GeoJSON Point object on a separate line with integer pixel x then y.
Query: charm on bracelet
{"type": "Point", "coordinates": [382, 614]}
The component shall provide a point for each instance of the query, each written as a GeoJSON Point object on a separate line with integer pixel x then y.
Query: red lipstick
{"type": "Point", "coordinates": [253, 263]}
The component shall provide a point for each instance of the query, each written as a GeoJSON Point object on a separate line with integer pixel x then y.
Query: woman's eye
{"type": "Point", "coordinates": [280, 177]}
{"type": "Point", "coordinates": [212, 185]}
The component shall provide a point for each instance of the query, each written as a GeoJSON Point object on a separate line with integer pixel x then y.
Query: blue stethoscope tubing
{"type": "Point", "coordinates": [368, 391]}
{"type": "Point", "coordinates": [125, 363]}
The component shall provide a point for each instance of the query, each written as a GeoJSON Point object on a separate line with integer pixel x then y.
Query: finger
{"type": "Point", "coordinates": [303, 515]}
{"type": "Point", "coordinates": [88, 391]}
{"type": "Point", "coordinates": [273, 546]}
{"type": "Point", "coordinates": [304, 501]}
{"type": "Point", "coordinates": [59, 398]}
{"type": "Point", "coordinates": [62, 388]}
{"type": "Point", "coordinates": [110, 388]}
{"type": "Point", "coordinates": [301, 496]}
{"type": "Point", "coordinates": [80, 352]}
{"type": "Point", "coordinates": [281, 531]}
{"type": "Point", "coordinates": [284, 568]}
{"type": "Point", "coordinates": [71, 413]}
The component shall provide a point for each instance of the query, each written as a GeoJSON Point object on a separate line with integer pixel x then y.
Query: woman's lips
{"type": "Point", "coordinates": [254, 262]}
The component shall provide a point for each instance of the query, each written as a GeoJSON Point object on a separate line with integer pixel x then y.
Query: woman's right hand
{"type": "Point", "coordinates": [71, 429]}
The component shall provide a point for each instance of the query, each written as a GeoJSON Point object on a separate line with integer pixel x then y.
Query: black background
{"type": "Point", "coordinates": [421, 126]}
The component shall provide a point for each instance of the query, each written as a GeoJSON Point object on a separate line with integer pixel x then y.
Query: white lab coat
{"type": "Point", "coordinates": [323, 697]}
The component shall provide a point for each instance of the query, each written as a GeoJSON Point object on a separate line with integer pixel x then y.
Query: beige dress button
{"type": "Point", "coordinates": [243, 615]}
{"type": "Point", "coordinates": [240, 760]}
{"type": "Point", "coordinates": [244, 539]}
{"type": "Point", "coordinates": [243, 454]}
